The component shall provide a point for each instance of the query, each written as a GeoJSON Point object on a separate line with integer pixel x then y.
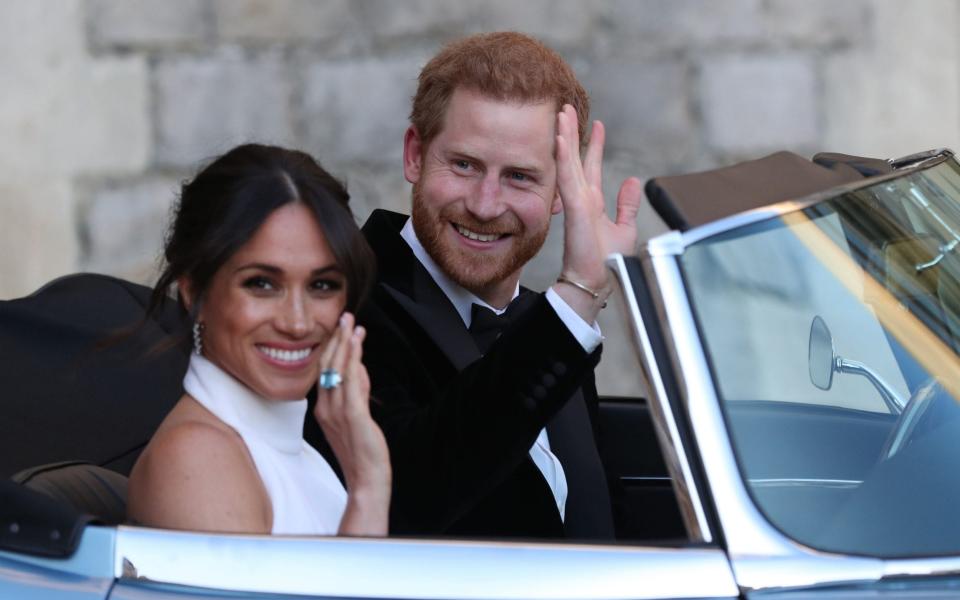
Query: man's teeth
{"type": "Point", "coordinates": [285, 355]}
{"type": "Point", "coordinates": [480, 237]}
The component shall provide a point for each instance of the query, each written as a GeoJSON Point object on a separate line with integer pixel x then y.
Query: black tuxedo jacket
{"type": "Point", "coordinates": [460, 425]}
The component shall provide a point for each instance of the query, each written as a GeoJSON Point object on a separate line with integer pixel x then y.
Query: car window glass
{"type": "Point", "coordinates": [832, 333]}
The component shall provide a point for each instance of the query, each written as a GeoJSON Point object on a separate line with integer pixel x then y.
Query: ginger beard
{"type": "Point", "coordinates": [473, 270]}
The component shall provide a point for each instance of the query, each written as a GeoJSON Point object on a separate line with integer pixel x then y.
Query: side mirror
{"type": "Point", "coordinates": [823, 362]}
{"type": "Point", "coordinates": [821, 355]}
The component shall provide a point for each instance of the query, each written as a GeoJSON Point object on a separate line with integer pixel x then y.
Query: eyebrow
{"type": "Point", "coordinates": [277, 270]}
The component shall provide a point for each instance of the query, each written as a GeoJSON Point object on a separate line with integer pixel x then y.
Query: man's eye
{"type": "Point", "coordinates": [518, 176]}
{"type": "Point", "coordinates": [258, 283]}
{"type": "Point", "coordinates": [461, 164]}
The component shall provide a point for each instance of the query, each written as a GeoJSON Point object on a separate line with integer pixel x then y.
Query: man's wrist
{"type": "Point", "coordinates": [584, 329]}
{"type": "Point", "coordinates": [597, 295]}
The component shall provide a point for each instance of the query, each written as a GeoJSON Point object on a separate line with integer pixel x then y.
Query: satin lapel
{"type": "Point", "coordinates": [406, 281]}
{"type": "Point", "coordinates": [431, 309]}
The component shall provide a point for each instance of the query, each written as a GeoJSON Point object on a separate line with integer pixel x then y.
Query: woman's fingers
{"type": "Point", "coordinates": [333, 358]}
{"type": "Point", "coordinates": [356, 389]}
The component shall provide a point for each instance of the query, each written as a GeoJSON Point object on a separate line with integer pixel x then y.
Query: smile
{"type": "Point", "coordinates": [480, 237]}
{"type": "Point", "coordinates": [288, 356]}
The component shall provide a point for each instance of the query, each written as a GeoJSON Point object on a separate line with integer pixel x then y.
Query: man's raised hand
{"type": "Point", "coordinates": [589, 234]}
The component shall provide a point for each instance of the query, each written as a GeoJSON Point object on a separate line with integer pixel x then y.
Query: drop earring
{"type": "Point", "coordinates": [198, 328]}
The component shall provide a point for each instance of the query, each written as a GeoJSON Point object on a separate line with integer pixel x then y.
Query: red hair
{"type": "Point", "coordinates": [506, 66]}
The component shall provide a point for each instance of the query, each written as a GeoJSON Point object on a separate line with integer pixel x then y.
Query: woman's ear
{"type": "Point", "coordinates": [185, 291]}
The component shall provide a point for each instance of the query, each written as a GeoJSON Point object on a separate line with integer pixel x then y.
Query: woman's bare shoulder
{"type": "Point", "coordinates": [196, 473]}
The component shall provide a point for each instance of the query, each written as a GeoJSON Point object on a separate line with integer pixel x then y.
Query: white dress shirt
{"type": "Point", "coordinates": [463, 299]}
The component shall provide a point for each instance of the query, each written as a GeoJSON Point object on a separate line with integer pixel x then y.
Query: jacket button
{"type": "Point", "coordinates": [549, 380]}
{"type": "Point", "coordinates": [559, 369]}
{"type": "Point", "coordinates": [539, 392]}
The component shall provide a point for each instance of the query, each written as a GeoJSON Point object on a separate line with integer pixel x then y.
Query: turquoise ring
{"type": "Point", "coordinates": [330, 379]}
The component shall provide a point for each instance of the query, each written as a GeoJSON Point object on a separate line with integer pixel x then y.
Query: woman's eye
{"type": "Point", "coordinates": [258, 283]}
{"type": "Point", "coordinates": [327, 285]}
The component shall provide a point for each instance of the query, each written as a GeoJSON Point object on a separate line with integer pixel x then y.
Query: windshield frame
{"type": "Point", "coordinates": [748, 534]}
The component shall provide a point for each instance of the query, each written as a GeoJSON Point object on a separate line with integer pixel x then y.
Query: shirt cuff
{"type": "Point", "coordinates": [589, 336]}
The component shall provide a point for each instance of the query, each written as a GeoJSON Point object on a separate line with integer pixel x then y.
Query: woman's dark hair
{"type": "Point", "coordinates": [228, 201]}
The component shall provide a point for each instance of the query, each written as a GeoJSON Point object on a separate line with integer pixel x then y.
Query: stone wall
{"type": "Point", "coordinates": [106, 105]}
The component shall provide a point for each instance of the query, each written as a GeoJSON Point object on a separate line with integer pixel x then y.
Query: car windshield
{"type": "Point", "coordinates": [832, 332]}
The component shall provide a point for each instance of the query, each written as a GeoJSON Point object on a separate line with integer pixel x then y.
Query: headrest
{"type": "Point", "coordinates": [92, 490]}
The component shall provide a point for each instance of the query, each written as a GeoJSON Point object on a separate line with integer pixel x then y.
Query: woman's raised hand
{"type": "Point", "coordinates": [343, 412]}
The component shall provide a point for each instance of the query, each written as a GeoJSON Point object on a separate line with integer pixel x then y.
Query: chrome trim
{"type": "Point", "coordinates": [762, 557]}
{"type": "Point", "coordinates": [922, 567]}
{"type": "Point", "coordinates": [891, 399]}
{"type": "Point", "coordinates": [668, 434]}
{"type": "Point", "coordinates": [399, 569]}
{"type": "Point", "coordinates": [912, 160]}
{"type": "Point", "coordinates": [756, 215]}
{"type": "Point", "coordinates": [804, 482]}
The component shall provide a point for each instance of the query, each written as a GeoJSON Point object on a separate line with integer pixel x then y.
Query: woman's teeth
{"type": "Point", "coordinates": [480, 237]}
{"type": "Point", "coordinates": [285, 355]}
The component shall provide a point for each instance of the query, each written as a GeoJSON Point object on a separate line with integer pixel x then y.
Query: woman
{"type": "Point", "coordinates": [269, 266]}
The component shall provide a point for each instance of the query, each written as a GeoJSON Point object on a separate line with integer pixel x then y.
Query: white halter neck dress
{"type": "Point", "coordinates": [306, 495]}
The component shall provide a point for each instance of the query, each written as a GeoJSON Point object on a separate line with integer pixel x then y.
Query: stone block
{"type": "Point", "coordinates": [900, 94]}
{"type": "Point", "coordinates": [386, 19]}
{"type": "Point", "coordinates": [146, 23]}
{"type": "Point", "coordinates": [559, 23]}
{"type": "Point", "coordinates": [122, 225]}
{"type": "Point", "coordinates": [759, 103]}
{"type": "Point", "coordinates": [39, 235]}
{"type": "Point", "coordinates": [358, 110]}
{"type": "Point", "coordinates": [618, 373]}
{"type": "Point", "coordinates": [78, 116]}
{"type": "Point", "coordinates": [646, 108]}
{"type": "Point", "coordinates": [373, 187]}
{"type": "Point", "coordinates": [645, 27]}
{"type": "Point", "coordinates": [816, 22]}
{"type": "Point", "coordinates": [282, 20]}
{"type": "Point", "coordinates": [40, 35]}
{"type": "Point", "coordinates": [206, 105]}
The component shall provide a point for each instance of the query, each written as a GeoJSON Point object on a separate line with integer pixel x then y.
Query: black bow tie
{"type": "Point", "coordinates": [486, 325]}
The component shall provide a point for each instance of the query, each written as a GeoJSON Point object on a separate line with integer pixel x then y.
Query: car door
{"type": "Point", "coordinates": [807, 495]}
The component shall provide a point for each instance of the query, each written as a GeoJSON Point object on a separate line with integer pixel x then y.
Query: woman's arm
{"type": "Point", "coordinates": [199, 477]}
{"type": "Point", "coordinates": [344, 415]}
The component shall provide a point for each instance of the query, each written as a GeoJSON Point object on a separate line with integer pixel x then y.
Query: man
{"type": "Point", "coordinates": [494, 441]}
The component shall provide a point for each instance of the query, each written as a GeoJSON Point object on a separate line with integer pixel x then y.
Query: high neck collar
{"type": "Point", "coordinates": [279, 423]}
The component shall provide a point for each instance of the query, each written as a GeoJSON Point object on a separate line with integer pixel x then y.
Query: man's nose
{"type": "Point", "coordinates": [486, 201]}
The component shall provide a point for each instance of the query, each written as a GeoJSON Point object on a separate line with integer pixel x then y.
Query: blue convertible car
{"type": "Point", "coordinates": [797, 328]}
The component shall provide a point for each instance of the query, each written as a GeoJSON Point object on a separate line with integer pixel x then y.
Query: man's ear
{"type": "Point", "coordinates": [557, 207]}
{"type": "Point", "coordinates": [412, 154]}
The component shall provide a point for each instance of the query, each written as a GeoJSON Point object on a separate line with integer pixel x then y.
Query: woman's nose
{"type": "Point", "coordinates": [293, 319]}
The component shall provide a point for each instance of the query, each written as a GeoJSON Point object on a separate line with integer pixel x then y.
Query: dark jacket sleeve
{"type": "Point", "coordinates": [455, 436]}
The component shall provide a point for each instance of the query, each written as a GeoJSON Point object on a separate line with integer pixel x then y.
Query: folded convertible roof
{"type": "Point", "coordinates": [687, 201]}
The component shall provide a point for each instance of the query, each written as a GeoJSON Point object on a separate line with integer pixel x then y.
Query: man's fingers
{"type": "Point", "coordinates": [593, 159]}
{"type": "Point", "coordinates": [628, 201]}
